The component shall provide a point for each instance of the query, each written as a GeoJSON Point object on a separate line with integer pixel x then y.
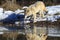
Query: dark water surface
{"type": "Point", "coordinates": [53, 31]}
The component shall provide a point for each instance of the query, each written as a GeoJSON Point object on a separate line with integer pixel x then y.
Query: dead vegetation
{"type": "Point", "coordinates": [12, 35]}
{"type": "Point", "coordinates": [10, 6]}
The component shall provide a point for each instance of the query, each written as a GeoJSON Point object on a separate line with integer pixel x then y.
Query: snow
{"type": "Point", "coordinates": [3, 16]}
{"type": "Point", "coordinates": [52, 10]}
{"type": "Point", "coordinates": [8, 12]}
{"type": "Point", "coordinates": [19, 11]}
{"type": "Point", "coordinates": [3, 29]}
{"type": "Point", "coordinates": [41, 19]}
{"type": "Point", "coordinates": [51, 18]}
{"type": "Point", "coordinates": [57, 16]}
{"type": "Point", "coordinates": [24, 7]}
{"type": "Point", "coordinates": [26, 21]}
{"type": "Point", "coordinates": [1, 32]}
{"type": "Point", "coordinates": [17, 22]}
{"type": "Point", "coordinates": [1, 10]}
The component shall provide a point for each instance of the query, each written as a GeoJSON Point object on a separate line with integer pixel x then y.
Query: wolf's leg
{"type": "Point", "coordinates": [41, 14]}
{"type": "Point", "coordinates": [34, 16]}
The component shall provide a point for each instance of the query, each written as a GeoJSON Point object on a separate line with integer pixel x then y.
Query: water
{"type": "Point", "coordinates": [51, 30]}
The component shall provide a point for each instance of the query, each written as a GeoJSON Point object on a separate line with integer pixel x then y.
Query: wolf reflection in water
{"type": "Point", "coordinates": [35, 31]}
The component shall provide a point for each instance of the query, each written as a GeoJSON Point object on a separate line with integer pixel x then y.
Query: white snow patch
{"type": "Point", "coordinates": [24, 7]}
{"type": "Point", "coordinates": [3, 16]}
{"type": "Point", "coordinates": [3, 29]}
{"type": "Point", "coordinates": [17, 22]}
{"type": "Point", "coordinates": [51, 18]}
{"type": "Point", "coordinates": [26, 21]}
{"type": "Point", "coordinates": [53, 9]}
{"type": "Point", "coordinates": [1, 32]}
{"type": "Point", "coordinates": [1, 10]}
{"type": "Point", "coordinates": [8, 12]}
{"type": "Point", "coordinates": [19, 11]}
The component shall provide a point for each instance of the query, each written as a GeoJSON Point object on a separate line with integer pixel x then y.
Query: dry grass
{"type": "Point", "coordinates": [11, 6]}
{"type": "Point", "coordinates": [12, 35]}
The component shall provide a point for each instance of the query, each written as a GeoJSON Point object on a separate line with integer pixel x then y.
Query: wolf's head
{"type": "Point", "coordinates": [27, 12]}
